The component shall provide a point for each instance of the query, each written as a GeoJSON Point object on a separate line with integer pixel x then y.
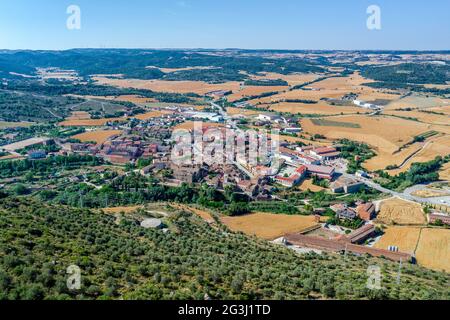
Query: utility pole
{"type": "Point", "coordinates": [399, 271]}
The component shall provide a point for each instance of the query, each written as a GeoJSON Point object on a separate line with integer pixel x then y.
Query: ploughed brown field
{"type": "Point", "coordinates": [269, 226]}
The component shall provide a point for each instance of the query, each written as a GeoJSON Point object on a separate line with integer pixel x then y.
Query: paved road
{"type": "Point", "coordinates": [406, 195]}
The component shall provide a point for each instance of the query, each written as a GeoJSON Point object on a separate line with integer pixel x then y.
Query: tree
{"type": "Point", "coordinates": [20, 189]}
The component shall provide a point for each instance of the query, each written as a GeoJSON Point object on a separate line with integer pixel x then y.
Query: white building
{"type": "Point", "coordinates": [214, 117]}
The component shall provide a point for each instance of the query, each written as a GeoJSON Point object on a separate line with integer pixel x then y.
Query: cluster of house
{"type": "Point", "coordinates": [120, 149]}
{"type": "Point", "coordinates": [307, 161]}
{"type": "Point", "coordinates": [287, 125]}
{"type": "Point", "coordinates": [364, 211]}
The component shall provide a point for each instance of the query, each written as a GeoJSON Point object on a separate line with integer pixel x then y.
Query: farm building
{"type": "Point", "coordinates": [346, 185]}
{"type": "Point", "coordinates": [322, 172]}
{"type": "Point", "coordinates": [294, 179]}
{"type": "Point", "coordinates": [436, 217]}
{"type": "Point", "coordinates": [361, 234]}
{"type": "Point", "coordinates": [366, 211]}
{"type": "Point", "coordinates": [325, 153]}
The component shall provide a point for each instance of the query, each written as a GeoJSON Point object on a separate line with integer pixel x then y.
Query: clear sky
{"type": "Point", "coordinates": [252, 24]}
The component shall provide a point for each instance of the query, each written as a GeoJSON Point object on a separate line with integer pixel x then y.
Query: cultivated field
{"type": "Point", "coordinates": [422, 116]}
{"type": "Point", "coordinates": [430, 193]}
{"type": "Point", "coordinates": [89, 122]}
{"type": "Point", "coordinates": [6, 125]}
{"type": "Point", "coordinates": [152, 114]}
{"type": "Point", "coordinates": [433, 250]}
{"type": "Point", "coordinates": [308, 185]}
{"type": "Point", "coordinates": [439, 146]}
{"type": "Point", "coordinates": [249, 91]}
{"type": "Point", "coordinates": [405, 238]}
{"type": "Point", "coordinates": [384, 134]}
{"type": "Point", "coordinates": [79, 115]}
{"type": "Point", "coordinates": [245, 112]}
{"type": "Point", "coordinates": [321, 108]}
{"type": "Point", "coordinates": [268, 226]}
{"type": "Point", "coordinates": [198, 87]}
{"type": "Point", "coordinates": [401, 212]}
{"type": "Point", "coordinates": [417, 102]}
{"type": "Point", "coordinates": [336, 88]}
{"type": "Point", "coordinates": [98, 137]}
{"type": "Point", "coordinates": [292, 79]}
{"type": "Point", "coordinates": [189, 125]}
{"type": "Point", "coordinates": [444, 174]}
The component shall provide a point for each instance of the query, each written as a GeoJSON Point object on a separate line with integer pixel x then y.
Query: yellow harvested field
{"type": "Point", "coordinates": [189, 125]}
{"type": "Point", "coordinates": [444, 174]}
{"type": "Point", "coordinates": [405, 238]}
{"type": "Point", "coordinates": [430, 193]}
{"type": "Point", "coordinates": [89, 122]}
{"type": "Point", "coordinates": [350, 82]}
{"type": "Point", "coordinates": [316, 94]}
{"type": "Point", "coordinates": [122, 98]}
{"type": "Point", "coordinates": [439, 146]}
{"type": "Point", "coordinates": [198, 87]}
{"type": "Point", "coordinates": [121, 209]}
{"type": "Point", "coordinates": [422, 116]}
{"type": "Point", "coordinates": [384, 134]}
{"type": "Point", "coordinates": [249, 91]}
{"type": "Point", "coordinates": [152, 114]}
{"type": "Point", "coordinates": [319, 108]}
{"type": "Point", "coordinates": [308, 185]}
{"type": "Point", "coordinates": [417, 102]}
{"type": "Point", "coordinates": [245, 112]}
{"type": "Point", "coordinates": [98, 137]}
{"type": "Point", "coordinates": [269, 226]}
{"type": "Point", "coordinates": [384, 159]}
{"type": "Point", "coordinates": [434, 249]}
{"type": "Point", "coordinates": [401, 212]}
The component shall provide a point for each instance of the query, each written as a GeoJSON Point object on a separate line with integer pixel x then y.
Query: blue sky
{"type": "Point", "coordinates": [252, 24]}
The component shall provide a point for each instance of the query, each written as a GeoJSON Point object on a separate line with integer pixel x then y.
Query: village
{"type": "Point", "coordinates": [151, 141]}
